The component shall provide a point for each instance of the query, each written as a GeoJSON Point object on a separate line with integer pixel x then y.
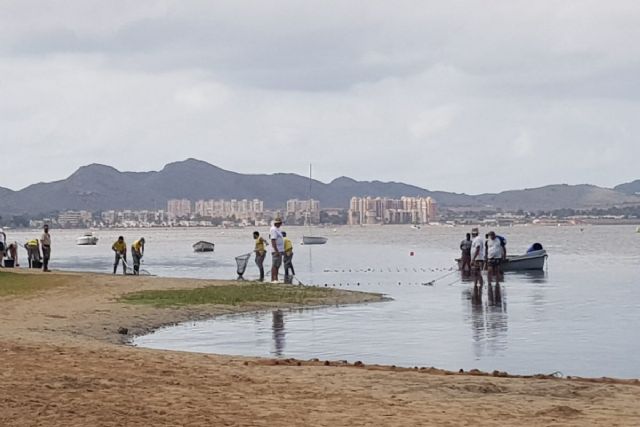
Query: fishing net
{"type": "Point", "coordinates": [242, 262]}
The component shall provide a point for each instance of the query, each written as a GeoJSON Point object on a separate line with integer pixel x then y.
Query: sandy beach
{"type": "Point", "coordinates": [66, 362]}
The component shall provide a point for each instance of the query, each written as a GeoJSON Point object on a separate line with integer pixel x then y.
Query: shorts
{"type": "Point", "coordinates": [276, 260]}
{"type": "Point", "coordinates": [478, 264]}
{"type": "Point", "coordinates": [495, 261]}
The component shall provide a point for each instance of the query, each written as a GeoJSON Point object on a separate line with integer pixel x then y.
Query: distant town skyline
{"type": "Point", "coordinates": [455, 96]}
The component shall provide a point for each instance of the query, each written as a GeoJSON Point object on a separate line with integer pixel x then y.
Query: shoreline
{"type": "Point", "coordinates": [66, 364]}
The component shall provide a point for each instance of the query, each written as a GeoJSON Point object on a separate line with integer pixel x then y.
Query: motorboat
{"type": "Point", "coordinates": [533, 260]}
{"type": "Point", "coordinates": [314, 240]}
{"type": "Point", "coordinates": [203, 246]}
{"type": "Point", "coordinates": [88, 239]}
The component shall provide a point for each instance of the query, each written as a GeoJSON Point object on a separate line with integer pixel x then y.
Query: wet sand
{"type": "Point", "coordinates": [66, 364]}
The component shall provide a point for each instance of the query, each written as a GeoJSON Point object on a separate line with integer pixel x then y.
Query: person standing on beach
{"type": "Point", "coordinates": [277, 249]}
{"type": "Point", "coordinates": [288, 258]}
{"type": "Point", "coordinates": [137, 252]}
{"type": "Point", "coordinates": [465, 256]}
{"type": "Point", "coordinates": [45, 242]}
{"type": "Point", "coordinates": [120, 248]}
{"type": "Point", "coordinates": [261, 252]}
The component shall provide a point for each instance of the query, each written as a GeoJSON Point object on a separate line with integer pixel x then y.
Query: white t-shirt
{"type": "Point", "coordinates": [276, 234]}
{"type": "Point", "coordinates": [494, 248]}
{"type": "Point", "coordinates": [478, 242]}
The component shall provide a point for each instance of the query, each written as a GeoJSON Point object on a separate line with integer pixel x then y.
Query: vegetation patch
{"type": "Point", "coordinates": [251, 293]}
{"type": "Point", "coordinates": [22, 284]}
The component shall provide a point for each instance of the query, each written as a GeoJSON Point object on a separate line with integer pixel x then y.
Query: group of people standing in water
{"type": "Point", "coordinates": [483, 253]}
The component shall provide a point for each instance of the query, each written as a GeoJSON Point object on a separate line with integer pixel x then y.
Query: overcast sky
{"type": "Point", "coordinates": [466, 96]}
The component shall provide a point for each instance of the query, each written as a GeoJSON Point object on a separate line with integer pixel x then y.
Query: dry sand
{"type": "Point", "coordinates": [64, 364]}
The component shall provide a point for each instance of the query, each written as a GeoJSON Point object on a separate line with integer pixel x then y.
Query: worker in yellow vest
{"type": "Point", "coordinates": [261, 251]}
{"type": "Point", "coordinates": [288, 257]}
{"type": "Point", "coordinates": [120, 249]}
{"type": "Point", "coordinates": [33, 253]}
{"type": "Point", "coordinates": [137, 251]}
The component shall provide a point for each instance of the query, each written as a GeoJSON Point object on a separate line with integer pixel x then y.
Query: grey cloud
{"type": "Point", "coordinates": [426, 92]}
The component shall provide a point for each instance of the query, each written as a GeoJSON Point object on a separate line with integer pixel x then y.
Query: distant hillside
{"type": "Point", "coordinates": [556, 197]}
{"type": "Point", "coordinates": [631, 188]}
{"type": "Point", "coordinates": [99, 187]}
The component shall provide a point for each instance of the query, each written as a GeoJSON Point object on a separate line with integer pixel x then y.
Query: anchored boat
{"type": "Point", "coordinates": [313, 240]}
{"type": "Point", "coordinates": [88, 239]}
{"type": "Point", "coordinates": [532, 260]}
{"type": "Point", "coordinates": [203, 246]}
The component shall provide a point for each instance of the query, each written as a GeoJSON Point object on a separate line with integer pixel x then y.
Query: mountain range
{"type": "Point", "coordinates": [98, 187]}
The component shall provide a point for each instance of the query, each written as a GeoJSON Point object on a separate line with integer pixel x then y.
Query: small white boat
{"type": "Point", "coordinates": [314, 240]}
{"type": "Point", "coordinates": [203, 246]}
{"type": "Point", "coordinates": [415, 227]}
{"type": "Point", "coordinates": [87, 240]}
{"type": "Point", "coordinates": [533, 260]}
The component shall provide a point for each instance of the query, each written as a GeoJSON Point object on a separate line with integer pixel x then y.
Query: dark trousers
{"type": "Point", "coordinates": [117, 261]}
{"type": "Point", "coordinates": [46, 254]}
{"type": "Point", "coordinates": [288, 267]}
{"type": "Point", "coordinates": [33, 254]}
{"type": "Point", "coordinates": [260, 264]}
{"type": "Point", "coordinates": [136, 261]}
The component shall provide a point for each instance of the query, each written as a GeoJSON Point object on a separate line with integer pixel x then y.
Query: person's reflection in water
{"type": "Point", "coordinates": [488, 319]}
{"type": "Point", "coordinates": [278, 332]}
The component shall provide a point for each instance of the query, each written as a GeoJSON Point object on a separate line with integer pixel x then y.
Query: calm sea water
{"type": "Point", "coordinates": [579, 317]}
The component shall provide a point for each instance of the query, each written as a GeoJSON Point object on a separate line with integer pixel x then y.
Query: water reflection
{"type": "Point", "coordinates": [533, 276]}
{"type": "Point", "coordinates": [486, 305]}
{"type": "Point", "coordinates": [488, 317]}
{"type": "Point", "coordinates": [277, 326]}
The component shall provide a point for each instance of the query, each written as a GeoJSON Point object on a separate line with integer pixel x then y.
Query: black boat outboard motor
{"type": "Point", "coordinates": [535, 247]}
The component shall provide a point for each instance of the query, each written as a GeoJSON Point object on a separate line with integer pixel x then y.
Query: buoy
{"type": "Point", "coordinates": [411, 253]}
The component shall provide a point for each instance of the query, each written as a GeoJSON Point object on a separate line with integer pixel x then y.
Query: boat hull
{"type": "Point", "coordinates": [314, 240]}
{"type": "Point", "coordinates": [531, 261]}
{"type": "Point", "coordinates": [87, 241]}
{"type": "Point", "coordinates": [528, 262]}
{"type": "Point", "coordinates": [203, 247]}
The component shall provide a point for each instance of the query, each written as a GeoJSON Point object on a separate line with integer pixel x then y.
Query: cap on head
{"type": "Point", "coordinates": [474, 230]}
{"type": "Point", "coordinates": [120, 237]}
{"type": "Point", "coordinates": [278, 220]}
{"type": "Point", "coordinates": [142, 240]}
{"type": "Point", "coordinates": [284, 234]}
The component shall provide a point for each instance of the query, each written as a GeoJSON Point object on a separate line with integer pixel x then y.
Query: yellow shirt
{"type": "Point", "coordinates": [288, 246]}
{"type": "Point", "coordinates": [137, 246]}
{"type": "Point", "coordinates": [260, 246]}
{"type": "Point", "coordinates": [33, 243]}
{"type": "Point", "coordinates": [119, 246]}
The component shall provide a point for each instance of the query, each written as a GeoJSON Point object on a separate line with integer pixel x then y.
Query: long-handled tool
{"type": "Point", "coordinates": [433, 282]}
